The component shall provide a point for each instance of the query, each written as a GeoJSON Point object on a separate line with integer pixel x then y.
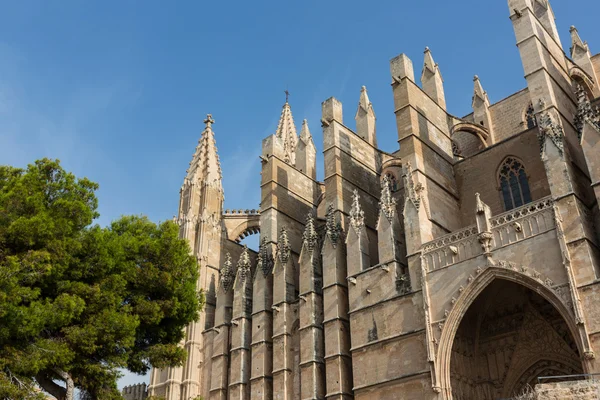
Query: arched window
{"type": "Point", "coordinates": [513, 183]}
{"type": "Point", "coordinates": [530, 117]}
{"type": "Point", "coordinates": [393, 182]}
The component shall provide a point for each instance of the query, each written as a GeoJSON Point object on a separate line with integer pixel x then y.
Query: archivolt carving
{"type": "Point", "coordinates": [558, 296]}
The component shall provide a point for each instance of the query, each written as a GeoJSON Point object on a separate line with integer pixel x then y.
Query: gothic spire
{"type": "Point", "coordinates": [305, 135]}
{"type": "Point", "coordinates": [387, 204]}
{"type": "Point", "coordinates": [577, 45]}
{"type": "Point", "coordinates": [310, 236]}
{"type": "Point", "coordinates": [585, 112]}
{"type": "Point", "coordinates": [432, 81]}
{"type": "Point", "coordinates": [365, 118]}
{"type": "Point", "coordinates": [264, 261]}
{"type": "Point", "coordinates": [333, 229]}
{"type": "Point", "coordinates": [205, 166]}
{"type": "Point", "coordinates": [479, 93]}
{"type": "Point", "coordinates": [227, 273]}
{"type": "Point", "coordinates": [283, 246]}
{"type": "Point", "coordinates": [243, 265]}
{"type": "Point", "coordinates": [357, 215]}
{"type": "Point", "coordinates": [286, 132]}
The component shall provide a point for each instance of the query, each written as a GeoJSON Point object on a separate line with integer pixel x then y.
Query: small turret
{"type": "Point", "coordinates": [306, 152]}
{"type": "Point", "coordinates": [580, 53]}
{"type": "Point", "coordinates": [365, 119]}
{"type": "Point", "coordinates": [481, 108]}
{"type": "Point", "coordinates": [432, 81]}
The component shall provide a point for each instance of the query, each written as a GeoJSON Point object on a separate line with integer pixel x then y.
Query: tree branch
{"type": "Point", "coordinates": [70, 392]}
{"type": "Point", "coordinates": [49, 386]}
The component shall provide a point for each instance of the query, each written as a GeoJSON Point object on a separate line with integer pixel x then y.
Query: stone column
{"type": "Point", "coordinates": [312, 367]}
{"type": "Point", "coordinates": [283, 319]}
{"type": "Point", "coordinates": [241, 330]}
{"type": "Point", "coordinates": [220, 354]}
{"type": "Point", "coordinates": [336, 325]}
{"type": "Point", "coordinates": [261, 384]}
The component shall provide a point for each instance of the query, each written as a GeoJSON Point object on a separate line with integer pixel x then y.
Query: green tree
{"type": "Point", "coordinates": [79, 301]}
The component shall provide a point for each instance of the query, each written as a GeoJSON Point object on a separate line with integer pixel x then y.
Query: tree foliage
{"type": "Point", "coordinates": [79, 301]}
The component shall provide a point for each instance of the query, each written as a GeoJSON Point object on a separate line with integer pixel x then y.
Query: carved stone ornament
{"type": "Point", "coordinates": [333, 229]}
{"type": "Point", "coordinates": [387, 204]}
{"type": "Point", "coordinates": [310, 236]}
{"type": "Point", "coordinates": [551, 129]}
{"type": "Point", "coordinates": [244, 265]}
{"type": "Point", "coordinates": [264, 262]}
{"type": "Point", "coordinates": [585, 112]}
{"type": "Point", "coordinates": [357, 215]}
{"type": "Point", "coordinates": [227, 273]}
{"type": "Point", "coordinates": [413, 191]}
{"type": "Point", "coordinates": [283, 247]}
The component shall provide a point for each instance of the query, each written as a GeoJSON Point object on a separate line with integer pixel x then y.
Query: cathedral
{"type": "Point", "coordinates": [464, 264]}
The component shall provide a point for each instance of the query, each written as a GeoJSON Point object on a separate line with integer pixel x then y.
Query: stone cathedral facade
{"type": "Point", "coordinates": [462, 265]}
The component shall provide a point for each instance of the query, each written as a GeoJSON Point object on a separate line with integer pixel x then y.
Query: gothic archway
{"type": "Point", "coordinates": [505, 330]}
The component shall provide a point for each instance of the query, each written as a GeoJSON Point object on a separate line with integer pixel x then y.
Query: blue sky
{"type": "Point", "coordinates": [117, 90]}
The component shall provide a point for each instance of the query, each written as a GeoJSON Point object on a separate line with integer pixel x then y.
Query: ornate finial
{"type": "Point", "coordinates": [333, 229]}
{"type": "Point", "coordinates": [264, 261]}
{"type": "Point", "coordinates": [227, 273]}
{"type": "Point", "coordinates": [548, 128]}
{"type": "Point", "coordinates": [283, 247]}
{"type": "Point", "coordinates": [585, 112]}
{"type": "Point", "coordinates": [479, 205]}
{"type": "Point", "coordinates": [357, 215]}
{"type": "Point", "coordinates": [209, 120]}
{"type": "Point", "coordinates": [310, 236]}
{"type": "Point", "coordinates": [475, 78]}
{"type": "Point", "coordinates": [387, 204]}
{"type": "Point", "coordinates": [244, 264]}
{"type": "Point", "coordinates": [413, 191]}
{"type": "Point", "coordinates": [287, 95]}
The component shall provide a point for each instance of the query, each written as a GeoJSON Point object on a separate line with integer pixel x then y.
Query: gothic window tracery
{"type": "Point", "coordinates": [530, 117]}
{"type": "Point", "coordinates": [514, 184]}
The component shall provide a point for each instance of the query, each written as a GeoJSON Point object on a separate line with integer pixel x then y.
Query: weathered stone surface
{"type": "Point", "coordinates": [462, 265]}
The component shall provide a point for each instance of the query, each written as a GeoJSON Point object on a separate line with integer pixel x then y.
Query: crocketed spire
{"type": "Point", "coordinates": [205, 166]}
{"type": "Point", "coordinates": [286, 132]}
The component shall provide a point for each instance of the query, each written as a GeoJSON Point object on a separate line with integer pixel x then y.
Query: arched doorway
{"type": "Point", "coordinates": [508, 337]}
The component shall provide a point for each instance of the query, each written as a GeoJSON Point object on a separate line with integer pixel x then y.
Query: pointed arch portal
{"type": "Point", "coordinates": [504, 332]}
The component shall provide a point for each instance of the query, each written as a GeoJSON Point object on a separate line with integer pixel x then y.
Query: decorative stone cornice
{"type": "Point", "coordinates": [585, 112]}
{"type": "Point", "coordinates": [310, 236]}
{"type": "Point", "coordinates": [412, 190]}
{"type": "Point", "coordinates": [283, 246]}
{"type": "Point", "coordinates": [387, 204]}
{"type": "Point", "coordinates": [357, 215]}
{"type": "Point", "coordinates": [264, 262]}
{"type": "Point", "coordinates": [244, 265]}
{"type": "Point", "coordinates": [551, 129]}
{"type": "Point", "coordinates": [333, 229]}
{"type": "Point", "coordinates": [227, 273]}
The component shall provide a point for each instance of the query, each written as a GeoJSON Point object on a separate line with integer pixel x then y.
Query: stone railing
{"type": "Point", "coordinates": [507, 228]}
{"type": "Point", "coordinates": [451, 248]}
{"type": "Point", "coordinates": [523, 222]}
{"type": "Point", "coordinates": [241, 212]}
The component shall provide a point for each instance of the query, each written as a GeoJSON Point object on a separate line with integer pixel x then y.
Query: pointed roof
{"type": "Point", "coordinates": [286, 131]}
{"type": "Point", "coordinates": [205, 165]}
{"type": "Point", "coordinates": [310, 236]}
{"type": "Point", "coordinates": [429, 64]}
{"type": "Point", "coordinates": [478, 91]}
{"type": "Point", "coordinates": [305, 135]}
{"type": "Point", "coordinates": [357, 215]}
{"type": "Point", "coordinates": [576, 42]}
{"type": "Point", "coordinates": [364, 103]}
